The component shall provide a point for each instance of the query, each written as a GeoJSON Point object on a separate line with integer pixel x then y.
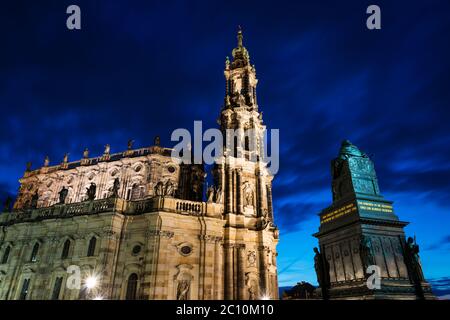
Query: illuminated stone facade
{"type": "Point", "coordinates": [137, 220]}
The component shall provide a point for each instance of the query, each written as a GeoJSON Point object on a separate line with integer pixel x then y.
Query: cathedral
{"type": "Point", "coordinates": [136, 224]}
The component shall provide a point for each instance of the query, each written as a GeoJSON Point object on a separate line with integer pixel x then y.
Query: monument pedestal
{"type": "Point", "coordinates": [361, 239]}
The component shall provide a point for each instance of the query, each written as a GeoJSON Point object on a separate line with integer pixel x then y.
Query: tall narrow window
{"type": "Point", "coordinates": [132, 287]}
{"type": "Point", "coordinates": [247, 143]}
{"type": "Point", "coordinates": [34, 253]}
{"type": "Point", "coordinates": [66, 248]}
{"type": "Point", "coordinates": [6, 254]}
{"type": "Point", "coordinates": [57, 288]}
{"type": "Point", "coordinates": [235, 151]}
{"type": "Point", "coordinates": [24, 291]}
{"type": "Point", "coordinates": [91, 248]}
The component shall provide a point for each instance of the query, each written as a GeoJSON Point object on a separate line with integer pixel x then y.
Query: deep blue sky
{"type": "Point", "coordinates": [138, 69]}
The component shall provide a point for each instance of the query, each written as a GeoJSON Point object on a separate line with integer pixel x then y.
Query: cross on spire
{"type": "Point", "coordinates": [240, 37]}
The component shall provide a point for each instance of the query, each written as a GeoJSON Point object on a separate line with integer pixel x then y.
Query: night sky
{"type": "Point", "coordinates": [138, 69]}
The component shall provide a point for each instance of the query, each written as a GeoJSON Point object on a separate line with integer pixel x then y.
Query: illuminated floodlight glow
{"type": "Point", "coordinates": [265, 297]}
{"type": "Point", "coordinates": [91, 282]}
{"type": "Point", "coordinates": [98, 298]}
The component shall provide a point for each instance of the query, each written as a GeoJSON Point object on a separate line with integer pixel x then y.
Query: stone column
{"type": "Point", "coordinates": [79, 189]}
{"type": "Point", "coordinates": [103, 183]}
{"type": "Point", "coordinates": [109, 252]}
{"type": "Point", "coordinates": [219, 276]}
{"type": "Point", "coordinates": [234, 194]}
{"type": "Point", "coordinates": [202, 265]}
{"type": "Point", "coordinates": [259, 193]}
{"type": "Point", "coordinates": [16, 265]}
{"type": "Point", "coordinates": [161, 273]}
{"type": "Point", "coordinates": [150, 264]}
{"type": "Point", "coordinates": [235, 272]}
{"type": "Point", "coordinates": [229, 287]}
{"type": "Point", "coordinates": [269, 201]}
{"type": "Point", "coordinates": [263, 270]}
{"type": "Point", "coordinates": [241, 275]}
{"type": "Point", "coordinates": [240, 205]}
{"type": "Point", "coordinates": [59, 185]}
{"type": "Point", "coordinates": [228, 189]}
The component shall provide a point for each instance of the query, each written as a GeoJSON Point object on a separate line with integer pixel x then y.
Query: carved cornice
{"type": "Point", "coordinates": [210, 238]}
{"type": "Point", "coordinates": [234, 245]}
{"type": "Point", "coordinates": [264, 248]}
{"type": "Point", "coordinates": [159, 233]}
{"type": "Point", "coordinates": [110, 234]}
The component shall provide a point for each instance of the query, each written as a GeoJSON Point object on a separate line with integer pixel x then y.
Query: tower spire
{"type": "Point", "coordinates": [240, 77]}
{"type": "Point", "coordinates": [240, 37]}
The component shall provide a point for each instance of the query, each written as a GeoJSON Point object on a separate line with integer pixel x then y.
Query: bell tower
{"type": "Point", "coordinates": [240, 77]}
{"type": "Point", "coordinates": [244, 184]}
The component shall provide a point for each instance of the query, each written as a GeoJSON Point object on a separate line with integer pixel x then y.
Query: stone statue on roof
{"type": "Point", "coordinates": [348, 150]}
{"type": "Point", "coordinates": [130, 144]}
{"type": "Point", "coordinates": [46, 161]}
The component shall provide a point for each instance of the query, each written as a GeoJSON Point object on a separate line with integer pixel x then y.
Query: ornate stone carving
{"type": "Point", "coordinates": [210, 238]}
{"type": "Point", "coordinates": [322, 271]}
{"type": "Point", "coordinates": [107, 150]}
{"type": "Point", "coordinates": [248, 195]}
{"type": "Point", "coordinates": [34, 200]}
{"type": "Point", "coordinates": [210, 194]}
{"type": "Point", "coordinates": [367, 257]}
{"type": "Point", "coordinates": [46, 161]}
{"type": "Point", "coordinates": [160, 233]}
{"type": "Point", "coordinates": [159, 188]}
{"type": "Point", "coordinates": [219, 195]}
{"type": "Point", "coordinates": [90, 192]}
{"type": "Point", "coordinates": [169, 189]}
{"type": "Point", "coordinates": [183, 289]}
{"type": "Point", "coordinates": [157, 141]}
{"type": "Point", "coordinates": [63, 195]}
{"type": "Point", "coordinates": [115, 188]}
{"type": "Point", "coordinates": [412, 260]}
{"type": "Point", "coordinates": [251, 258]}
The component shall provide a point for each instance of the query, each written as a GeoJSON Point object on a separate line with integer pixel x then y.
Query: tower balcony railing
{"type": "Point", "coordinates": [169, 204]}
{"type": "Point", "coordinates": [119, 205]}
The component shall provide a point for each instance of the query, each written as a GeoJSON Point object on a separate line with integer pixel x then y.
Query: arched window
{"type": "Point", "coordinates": [66, 248]}
{"type": "Point", "coordinates": [24, 291]}
{"type": "Point", "coordinates": [91, 248]}
{"type": "Point", "coordinates": [6, 254]}
{"type": "Point", "coordinates": [132, 287]}
{"type": "Point", "coordinates": [34, 253]}
{"type": "Point", "coordinates": [57, 288]}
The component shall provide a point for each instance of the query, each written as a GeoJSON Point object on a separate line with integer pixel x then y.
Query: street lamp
{"type": "Point", "coordinates": [91, 282]}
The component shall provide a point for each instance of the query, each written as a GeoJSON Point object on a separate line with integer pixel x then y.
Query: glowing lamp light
{"type": "Point", "coordinates": [265, 297]}
{"type": "Point", "coordinates": [91, 282]}
{"type": "Point", "coordinates": [98, 298]}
